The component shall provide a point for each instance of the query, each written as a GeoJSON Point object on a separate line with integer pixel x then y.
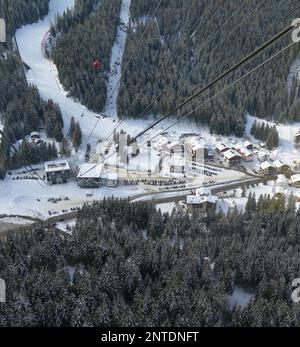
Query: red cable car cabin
{"type": "Point", "coordinates": [97, 64]}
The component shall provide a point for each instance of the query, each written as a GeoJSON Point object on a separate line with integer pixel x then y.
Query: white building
{"type": "Point", "coordinates": [112, 179]}
{"type": "Point", "coordinates": [222, 147]}
{"type": "Point", "coordinates": [161, 144]}
{"type": "Point", "coordinates": [267, 168]}
{"type": "Point", "coordinates": [202, 202]}
{"type": "Point", "coordinates": [90, 175]}
{"type": "Point", "coordinates": [57, 172]}
{"type": "Point", "coordinates": [280, 166]}
{"type": "Point", "coordinates": [232, 158]}
{"type": "Point", "coordinates": [262, 156]}
{"type": "Point", "coordinates": [295, 181]}
{"type": "Point", "coordinates": [177, 165]}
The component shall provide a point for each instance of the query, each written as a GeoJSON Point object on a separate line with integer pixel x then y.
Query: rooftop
{"type": "Point", "coordinates": [55, 166]}
{"type": "Point", "coordinates": [90, 170]}
{"type": "Point", "coordinates": [266, 165]}
{"type": "Point", "coordinates": [295, 178]}
{"type": "Point", "coordinates": [231, 154]}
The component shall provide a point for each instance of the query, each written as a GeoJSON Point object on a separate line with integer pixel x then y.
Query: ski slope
{"type": "Point", "coordinates": [44, 75]}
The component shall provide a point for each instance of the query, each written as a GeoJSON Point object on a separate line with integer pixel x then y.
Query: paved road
{"type": "Point", "coordinates": [163, 197]}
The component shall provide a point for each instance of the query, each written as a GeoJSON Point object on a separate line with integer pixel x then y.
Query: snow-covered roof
{"type": "Point", "coordinates": [35, 133]}
{"type": "Point", "coordinates": [231, 154]}
{"type": "Point", "coordinates": [295, 178]}
{"type": "Point", "coordinates": [161, 141]}
{"type": "Point", "coordinates": [279, 164]}
{"type": "Point", "coordinates": [198, 199]}
{"type": "Point", "coordinates": [221, 146]}
{"type": "Point", "coordinates": [248, 143]}
{"type": "Point", "coordinates": [90, 170]}
{"type": "Point", "coordinates": [203, 191]}
{"type": "Point", "coordinates": [266, 165]}
{"type": "Point", "coordinates": [56, 166]}
{"type": "Point", "coordinates": [175, 144]}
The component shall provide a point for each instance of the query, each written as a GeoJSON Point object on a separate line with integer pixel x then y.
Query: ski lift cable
{"type": "Point", "coordinates": [12, 146]}
{"type": "Point", "coordinates": [219, 78]}
{"type": "Point", "coordinates": [265, 33]}
{"type": "Point", "coordinates": [137, 46]}
{"type": "Point", "coordinates": [224, 90]}
{"type": "Point", "coordinates": [210, 39]}
{"type": "Point", "coordinates": [123, 71]}
{"type": "Point", "coordinates": [246, 59]}
{"type": "Point", "coordinates": [12, 28]}
{"type": "Point", "coordinates": [192, 34]}
{"type": "Point", "coordinates": [249, 14]}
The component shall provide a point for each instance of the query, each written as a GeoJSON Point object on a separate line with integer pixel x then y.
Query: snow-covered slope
{"type": "Point", "coordinates": [116, 61]}
{"type": "Point", "coordinates": [44, 75]}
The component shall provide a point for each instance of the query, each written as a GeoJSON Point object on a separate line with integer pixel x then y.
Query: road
{"type": "Point", "coordinates": [161, 197]}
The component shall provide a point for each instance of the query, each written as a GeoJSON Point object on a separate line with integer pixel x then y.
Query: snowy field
{"type": "Point", "coordinates": [30, 199]}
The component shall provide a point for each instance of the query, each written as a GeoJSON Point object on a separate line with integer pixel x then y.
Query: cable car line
{"type": "Point", "coordinates": [219, 78]}
{"type": "Point", "coordinates": [22, 157]}
{"type": "Point", "coordinates": [227, 21]}
{"type": "Point", "coordinates": [128, 63]}
{"type": "Point", "coordinates": [246, 59]}
{"type": "Point", "coordinates": [12, 28]}
{"type": "Point", "coordinates": [225, 89]}
{"type": "Point", "coordinates": [192, 35]}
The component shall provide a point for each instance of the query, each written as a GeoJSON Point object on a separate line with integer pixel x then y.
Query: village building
{"type": "Point", "coordinates": [111, 179]}
{"type": "Point", "coordinates": [281, 167]}
{"type": "Point", "coordinates": [295, 181]}
{"type": "Point", "coordinates": [296, 165]}
{"type": "Point", "coordinates": [248, 145]}
{"type": "Point", "coordinates": [267, 168]}
{"type": "Point", "coordinates": [90, 175]}
{"type": "Point", "coordinates": [232, 158]}
{"type": "Point", "coordinates": [57, 172]}
{"type": "Point", "coordinates": [175, 148]}
{"type": "Point", "coordinates": [246, 153]}
{"type": "Point", "coordinates": [196, 149]}
{"type": "Point", "coordinates": [222, 148]}
{"type": "Point", "coordinates": [262, 156]}
{"type": "Point", "coordinates": [280, 185]}
{"type": "Point", "coordinates": [202, 202]}
{"type": "Point", "coordinates": [177, 165]}
{"type": "Point", "coordinates": [161, 144]}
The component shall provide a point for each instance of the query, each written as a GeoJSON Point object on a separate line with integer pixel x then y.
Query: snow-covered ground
{"type": "Point", "coordinates": [27, 198]}
{"type": "Point", "coordinates": [15, 220]}
{"type": "Point", "coordinates": [294, 73]}
{"type": "Point", "coordinates": [240, 298]}
{"type": "Point", "coordinates": [286, 151]}
{"type": "Point", "coordinates": [66, 226]}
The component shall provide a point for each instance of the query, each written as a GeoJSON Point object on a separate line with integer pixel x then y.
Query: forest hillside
{"type": "Point", "coordinates": [130, 265]}
{"type": "Point", "coordinates": [21, 108]}
{"type": "Point", "coordinates": [82, 36]}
